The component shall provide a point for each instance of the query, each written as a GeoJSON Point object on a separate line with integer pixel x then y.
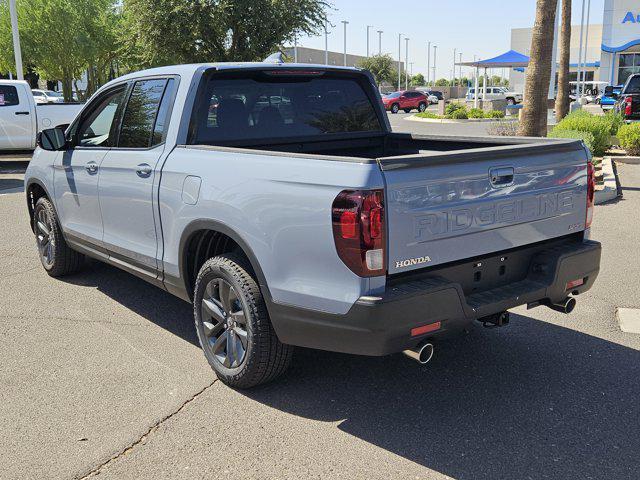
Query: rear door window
{"type": "Point", "coordinates": [260, 106]}
{"type": "Point", "coordinates": [8, 96]}
{"type": "Point", "coordinates": [140, 114]}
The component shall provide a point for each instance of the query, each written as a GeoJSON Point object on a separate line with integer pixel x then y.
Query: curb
{"type": "Point", "coordinates": [610, 191]}
{"type": "Point", "coordinates": [629, 160]}
{"type": "Point", "coordinates": [413, 118]}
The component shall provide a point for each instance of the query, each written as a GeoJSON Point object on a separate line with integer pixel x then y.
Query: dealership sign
{"type": "Point", "coordinates": [630, 17]}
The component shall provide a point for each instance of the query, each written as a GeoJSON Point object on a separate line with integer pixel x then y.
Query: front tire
{"type": "Point", "coordinates": [422, 107]}
{"type": "Point", "coordinates": [233, 325]}
{"type": "Point", "coordinates": [395, 108]}
{"type": "Point", "coordinates": [55, 255]}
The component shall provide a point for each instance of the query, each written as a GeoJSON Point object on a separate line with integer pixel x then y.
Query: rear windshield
{"type": "Point", "coordinates": [259, 106]}
{"type": "Point", "coordinates": [634, 85]}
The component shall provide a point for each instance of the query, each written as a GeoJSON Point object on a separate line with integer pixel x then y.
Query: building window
{"type": "Point", "coordinates": [629, 64]}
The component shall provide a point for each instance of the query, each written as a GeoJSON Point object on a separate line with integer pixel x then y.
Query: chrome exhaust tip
{"type": "Point", "coordinates": [565, 306]}
{"type": "Point", "coordinates": [423, 353]}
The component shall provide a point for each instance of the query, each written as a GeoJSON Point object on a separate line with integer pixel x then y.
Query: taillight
{"type": "Point", "coordinates": [359, 231]}
{"type": "Point", "coordinates": [628, 102]}
{"type": "Point", "coordinates": [591, 193]}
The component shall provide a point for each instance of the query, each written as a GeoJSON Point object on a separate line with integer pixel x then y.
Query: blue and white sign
{"type": "Point", "coordinates": [621, 25]}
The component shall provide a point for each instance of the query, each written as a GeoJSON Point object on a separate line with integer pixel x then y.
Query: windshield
{"type": "Point", "coordinates": [256, 105]}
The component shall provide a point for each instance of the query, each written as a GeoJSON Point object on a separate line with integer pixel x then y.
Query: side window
{"type": "Point", "coordinates": [8, 96]}
{"type": "Point", "coordinates": [97, 129]}
{"type": "Point", "coordinates": [140, 114]}
{"type": "Point", "coordinates": [162, 120]}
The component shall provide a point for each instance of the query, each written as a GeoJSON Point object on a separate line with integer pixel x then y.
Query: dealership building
{"type": "Point", "coordinates": [613, 46]}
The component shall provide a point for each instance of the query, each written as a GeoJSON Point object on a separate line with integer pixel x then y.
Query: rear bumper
{"type": "Point", "coordinates": [382, 325]}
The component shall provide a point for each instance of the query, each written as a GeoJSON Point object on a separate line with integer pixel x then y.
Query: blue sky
{"type": "Point", "coordinates": [481, 28]}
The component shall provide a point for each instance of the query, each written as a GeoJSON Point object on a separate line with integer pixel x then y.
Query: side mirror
{"type": "Point", "coordinates": [52, 139]}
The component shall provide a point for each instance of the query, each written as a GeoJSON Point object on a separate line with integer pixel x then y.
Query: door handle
{"type": "Point", "coordinates": [143, 170]}
{"type": "Point", "coordinates": [501, 177]}
{"type": "Point", "coordinates": [91, 167]}
{"type": "Point", "coordinates": [22, 113]}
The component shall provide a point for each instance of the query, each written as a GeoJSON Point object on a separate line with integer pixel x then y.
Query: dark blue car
{"type": "Point", "coordinates": [610, 96]}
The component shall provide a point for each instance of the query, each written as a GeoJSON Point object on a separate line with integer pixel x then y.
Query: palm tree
{"type": "Point", "coordinates": [562, 98]}
{"type": "Point", "coordinates": [536, 89]}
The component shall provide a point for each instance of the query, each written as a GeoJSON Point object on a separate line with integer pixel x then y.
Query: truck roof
{"type": "Point", "coordinates": [191, 68]}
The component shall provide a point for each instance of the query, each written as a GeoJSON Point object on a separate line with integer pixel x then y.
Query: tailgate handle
{"type": "Point", "coordinates": [501, 177]}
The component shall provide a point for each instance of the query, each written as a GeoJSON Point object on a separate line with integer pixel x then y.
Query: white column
{"type": "Point", "coordinates": [295, 49]}
{"type": "Point", "coordinates": [17, 52]}
{"type": "Point", "coordinates": [586, 46]}
{"type": "Point", "coordinates": [476, 88]}
{"type": "Point", "coordinates": [380, 32]}
{"type": "Point", "coordinates": [399, 57]}
{"type": "Point", "coordinates": [406, 64]}
{"type": "Point", "coordinates": [326, 44]}
{"type": "Point", "coordinates": [435, 57]}
{"type": "Point", "coordinates": [428, 63]}
{"type": "Point", "coordinates": [484, 86]}
{"type": "Point", "coordinates": [368, 27]}
{"type": "Point", "coordinates": [580, 52]}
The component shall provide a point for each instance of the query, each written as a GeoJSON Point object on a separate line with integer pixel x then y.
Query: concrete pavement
{"type": "Point", "coordinates": [101, 376]}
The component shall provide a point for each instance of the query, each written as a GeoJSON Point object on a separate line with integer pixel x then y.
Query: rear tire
{"type": "Point", "coordinates": [422, 107]}
{"type": "Point", "coordinates": [55, 255]}
{"type": "Point", "coordinates": [233, 325]}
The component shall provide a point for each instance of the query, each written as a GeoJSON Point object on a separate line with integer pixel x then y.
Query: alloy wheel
{"type": "Point", "coordinates": [224, 322]}
{"type": "Point", "coordinates": [45, 238]}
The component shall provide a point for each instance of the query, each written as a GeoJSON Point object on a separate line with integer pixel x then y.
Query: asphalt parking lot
{"type": "Point", "coordinates": [101, 375]}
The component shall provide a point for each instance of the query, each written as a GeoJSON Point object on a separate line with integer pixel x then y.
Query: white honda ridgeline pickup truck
{"type": "Point", "coordinates": [276, 199]}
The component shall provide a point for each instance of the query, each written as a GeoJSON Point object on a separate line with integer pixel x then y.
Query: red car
{"type": "Point", "coordinates": [405, 100]}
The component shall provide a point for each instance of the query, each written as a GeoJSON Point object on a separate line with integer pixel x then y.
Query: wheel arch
{"type": "Point", "coordinates": [34, 190]}
{"type": "Point", "coordinates": [195, 231]}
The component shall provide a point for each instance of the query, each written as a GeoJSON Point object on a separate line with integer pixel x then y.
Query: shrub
{"type": "Point", "coordinates": [614, 120]}
{"type": "Point", "coordinates": [459, 114]}
{"type": "Point", "coordinates": [494, 114]}
{"type": "Point", "coordinates": [476, 113]}
{"type": "Point", "coordinates": [427, 115]}
{"type": "Point", "coordinates": [586, 137]}
{"type": "Point", "coordinates": [582, 121]}
{"type": "Point", "coordinates": [629, 136]}
{"type": "Point", "coordinates": [453, 107]}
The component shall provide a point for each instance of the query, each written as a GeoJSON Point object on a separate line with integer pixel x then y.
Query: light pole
{"type": "Point", "coordinates": [344, 22]}
{"type": "Point", "coordinates": [368, 27]}
{"type": "Point", "coordinates": [406, 64]}
{"type": "Point", "coordinates": [380, 32]}
{"type": "Point", "coordinates": [295, 49]}
{"type": "Point", "coordinates": [399, 57]}
{"type": "Point", "coordinates": [453, 77]}
{"type": "Point", "coordinates": [428, 63]}
{"type": "Point", "coordinates": [460, 68]}
{"type": "Point", "coordinates": [17, 53]}
{"type": "Point", "coordinates": [580, 54]}
{"type": "Point", "coordinates": [586, 46]}
{"type": "Point", "coordinates": [435, 56]}
{"type": "Point", "coordinates": [326, 44]}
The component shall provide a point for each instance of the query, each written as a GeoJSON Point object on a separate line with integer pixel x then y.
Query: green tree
{"type": "Point", "coordinates": [381, 67]}
{"type": "Point", "coordinates": [417, 80]}
{"type": "Point", "coordinates": [61, 39]}
{"type": "Point", "coordinates": [442, 82]}
{"type": "Point", "coordinates": [161, 32]}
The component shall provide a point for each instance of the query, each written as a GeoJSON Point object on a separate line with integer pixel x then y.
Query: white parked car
{"type": "Point", "coordinates": [21, 118]}
{"type": "Point", "coordinates": [47, 96]}
{"type": "Point", "coordinates": [496, 93]}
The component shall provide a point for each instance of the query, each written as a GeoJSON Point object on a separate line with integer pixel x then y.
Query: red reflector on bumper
{"type": "Point", "coordinates": [425, 329]}
{"type": "Point", "coordinates": [575, 283]}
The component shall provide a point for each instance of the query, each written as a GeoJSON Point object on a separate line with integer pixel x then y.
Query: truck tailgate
{"type": "Point", "coordinates": [448, 207]}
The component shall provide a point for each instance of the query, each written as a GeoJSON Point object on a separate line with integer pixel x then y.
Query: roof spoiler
{"type": "Point", "coordinates": [274, 58]}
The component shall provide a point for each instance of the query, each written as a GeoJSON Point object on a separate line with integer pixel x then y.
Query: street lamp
{"type": "Point", "coordinates": [380, 42]}
{"type": "Point", "coordinates": [460, 65]}
{"type": "Point", "coordinates": [326, 43]}
{"type": "Point", "coordinates": [295, 49]}
{"type": "Point", "coordinates": [17, 53]}
{"type": "Point", "coordinates": [399, 57]}
{"type": "Point", "coordinates": [453, 76]}
{"type": "Point", "coordinates": [428, 62]}
{"type": "Point", "coordinates": [368, 27]}
{"type": "Point", "coordinates": [344, 22]}
{"type": "Point", "coordinates": [435, 56]}
{"type": "Point", "coordinates": [406, 63]}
